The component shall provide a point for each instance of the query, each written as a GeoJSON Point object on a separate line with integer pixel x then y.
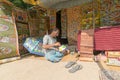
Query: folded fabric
{"type": "Point", "coordinates": [54, 56]}
{"type": "Point", "coordinates": [58, 54]}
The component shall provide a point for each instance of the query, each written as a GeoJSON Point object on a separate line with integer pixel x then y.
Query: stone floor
{"type": "Point", "coordinates": [109, 75]}
{"type": "Point", "coordinates": [36, 69]}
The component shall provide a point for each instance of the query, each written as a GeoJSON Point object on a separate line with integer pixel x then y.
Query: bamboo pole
{"type": "Point", "coordinates": [9, 60]}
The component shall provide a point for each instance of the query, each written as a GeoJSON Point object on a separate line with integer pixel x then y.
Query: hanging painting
{"type": "Point", "coordinates": [23, 33]}
{"type": "Point", "coordinates": [110, 12]}
{"type": "Point", "coordinates": [52, 14]}
{"type": "Point", "coordinates": [73, 21]}
{"type": "Point", "coordinates": [87, 15]}
{"type": "Point", "coordinates": [64, 23]}
{"type": "Point", "coordinates": [96, 14]}
{"type": "Point", "coordinates": [21, 15]}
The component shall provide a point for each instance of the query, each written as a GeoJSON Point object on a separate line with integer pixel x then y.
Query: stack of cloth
{"type": "Point", "coordinates": [87, 45]}
{"type": "Point", "coordinates": [113, 58]}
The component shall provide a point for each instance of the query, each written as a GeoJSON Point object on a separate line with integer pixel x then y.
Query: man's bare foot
{"type": "Point", "coordinates": [66, 52]}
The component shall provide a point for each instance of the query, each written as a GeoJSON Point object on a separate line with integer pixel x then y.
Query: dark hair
{"type": "Point", "coordinates": [51, 30]}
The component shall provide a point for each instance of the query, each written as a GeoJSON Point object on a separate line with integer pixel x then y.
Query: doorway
{"type": "Point", "coordinates": [58, 25]}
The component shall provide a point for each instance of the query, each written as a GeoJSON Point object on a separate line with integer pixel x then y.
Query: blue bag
{"type": "Point", "coordinates": [34, 46]}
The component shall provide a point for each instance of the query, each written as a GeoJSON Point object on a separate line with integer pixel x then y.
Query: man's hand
{"type": "Point", "coordinates": [57, 44]}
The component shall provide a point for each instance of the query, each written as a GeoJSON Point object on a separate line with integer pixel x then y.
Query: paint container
{"type": "Point", "coordinates": [72, 53]}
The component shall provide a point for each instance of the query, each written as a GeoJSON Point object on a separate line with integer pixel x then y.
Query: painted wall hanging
{"type": "Point", "coordinates": [21, 15]}
{"type": "Point", "coordinates": [23, 33]}
{"type": "Point", "coordinates": [110, 12]}
{"type": "Point", "coordinates": [8, 33]}
{"type": "Point", "coordinates": [73, 23]}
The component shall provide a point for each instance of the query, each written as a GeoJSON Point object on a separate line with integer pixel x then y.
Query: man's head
{"type": "Point", "coordinates": [54, 32]}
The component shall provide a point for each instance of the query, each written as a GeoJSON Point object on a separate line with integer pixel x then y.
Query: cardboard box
{"type": "Point", "coordinates": [113, 61]}
{"type": "Point", "coordinates": [114, 54]}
